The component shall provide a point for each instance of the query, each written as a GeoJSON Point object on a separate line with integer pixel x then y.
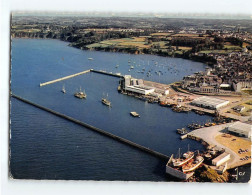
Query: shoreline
{"type": "Point", "coordinates": [123, 51]}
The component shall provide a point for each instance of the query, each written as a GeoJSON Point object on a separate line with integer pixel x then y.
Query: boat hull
{"type": "Point", "coordinates": [177, 173]}
{"type": "Point", "coordinates": [186, 170]}
{"type": "Point", "coordinates": [183, 162]}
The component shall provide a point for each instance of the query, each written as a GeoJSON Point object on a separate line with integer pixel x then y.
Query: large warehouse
{"type": "Point", "coordinates": [144, 90]}
{"type": "Point", "coordinates": [242, 129]}
{"type": "Point", "coordinates": [209, 102]}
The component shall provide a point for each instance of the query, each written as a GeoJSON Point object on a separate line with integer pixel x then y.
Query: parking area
{"type": "Point", "coordinates": [241, 146]}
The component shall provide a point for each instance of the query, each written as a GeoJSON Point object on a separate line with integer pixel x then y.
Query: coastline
{"type": "Point", "coordinates": [124, 50]}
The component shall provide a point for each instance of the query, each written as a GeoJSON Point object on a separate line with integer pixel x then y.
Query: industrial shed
{"type": "Point", "coordinates": [209, 102]}
{"type": "Point", "coordinates": [219, 160]}
{"type": "Point", "coordinates": [145, 90]}
{"type": "Point", "coordinates": [241, 129]}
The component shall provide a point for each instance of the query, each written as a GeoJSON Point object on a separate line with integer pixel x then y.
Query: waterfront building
{"type": "Point", "coordinates": [144, 90]}
{"type": "Point", "coordinates": [219, 160]}
{"type": "Point", "coordinates": [210, 102]}
{"type": "Point", "coordinates": [241, 129]}
{"type": "Point", "coordinates": [130, 84]}
{"type": "Point", "coordinates": [239, 85]}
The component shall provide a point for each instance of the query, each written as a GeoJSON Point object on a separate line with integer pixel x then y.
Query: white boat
{"type": "Point", "coordinates": [177, 171]}
{"type": "Point", "coordinates": [193, 165]}
{"type": "Point", "coordinates": [135, 114]}
{"type": "Point", "coordinates": [63, 90]}
{"type": "Point", "coordinates": [106, 102]}
{"type": "Point", "coordinates": [177, 162]}
{"type": "Point", "coordinates": [90, 58]}
{"type": "Point", "coordinates": [81, 94]}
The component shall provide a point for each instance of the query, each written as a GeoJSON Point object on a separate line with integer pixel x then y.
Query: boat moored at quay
{"type": "Point", "coordinates": [184, 168]}
{"type": "Point", "coordinates": [177, 162]}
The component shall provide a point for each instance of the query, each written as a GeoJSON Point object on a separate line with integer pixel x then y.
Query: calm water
{"type": "Point", "coordinates": [48, 147]}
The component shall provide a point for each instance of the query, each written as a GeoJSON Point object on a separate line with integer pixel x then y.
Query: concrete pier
{"type": "Point", "coordinates": [207, 136]}
{"type": "Point", "coordinates": [115, 137]}
{"type": "Point", "coordinates": [106, 73]}
{"type": "Point", "coordinates": [63, 78]}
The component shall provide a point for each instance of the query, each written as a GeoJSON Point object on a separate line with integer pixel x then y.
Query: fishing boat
{"type": "Point", "coordinates": [191, 166]}
{"type": "Point", "coordinates": [134, 114]}
{"type": "Point", "coordinates": [177, 162]}
{"type": "Point", "coordinates": [63, 90]}
{"type": "Point", "coordinates": [176, 171]}
{"type": "Point", "coordinates": [80, 94]}
{"type": "Point", "coordinates": [182, 131]}
{"type": "Point", "coordinates": [106, 102]}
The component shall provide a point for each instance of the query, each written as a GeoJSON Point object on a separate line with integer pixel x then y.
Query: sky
{"type": "Point", "coordinates": [170, 6]}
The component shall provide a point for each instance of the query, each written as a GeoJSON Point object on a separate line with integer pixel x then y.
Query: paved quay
{"type": "Point", "coordinates": [208, 134]}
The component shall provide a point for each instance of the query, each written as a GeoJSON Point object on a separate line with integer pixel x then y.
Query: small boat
{"type": "Point", "coordinates": [134, 114]}
{"type": "Point", "coordinates": [63, 90]}
{"type": "Point", "coordinates": [182, 131]}
{"type": "Point", "coordinates": [80, 94]}
{"type": "Point", "coordinates": [117, 66]}
{"type": "Point", "coordinates": [90, 58]}
{"type": "Point", "coordinates": [106, 102]}
{"type": "Point", "coordinates": [131, 67]}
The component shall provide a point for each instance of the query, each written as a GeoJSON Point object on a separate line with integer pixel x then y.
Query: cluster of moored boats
{"type": "Point", "coordinates": [133, 65]}
{"type": "Point", "coordinates": [193, 126]}
{"type": "Point", "coordinates": [183, 167]}
{"type": "Point", "coordinates": [82, 95]}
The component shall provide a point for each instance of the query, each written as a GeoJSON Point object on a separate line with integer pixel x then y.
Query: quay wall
{"type": "Point", "coordinates": [63, 78]}
{"type": "Point", "coordinates": [106, 73]}
{"type": "Point", "coordinates": [120, 139]}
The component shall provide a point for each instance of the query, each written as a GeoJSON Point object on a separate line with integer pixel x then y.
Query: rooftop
{"type": "Point", "coordinates": [243, 126]}
{"type": "Point", "coordinates": [209, 100]}
{"type": "Point", "coordinates": [218, 158]}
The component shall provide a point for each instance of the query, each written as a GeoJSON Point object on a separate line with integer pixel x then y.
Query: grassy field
{"type": "Point", "coordinates": [190, 35]}
{"type": "Point", "coordinates": [232, 47]}
{"type": "Point", "coordinates": [244, 44]}
{"type": "Point", "coordinates": [215, 51]}
{"type": "Point", "coordinates": [160, 34]}
{"type": "Point", "coordinates": [139, 42]}
{"type": "Point", "coordinates": [28, 30]}
{"type": "Point", "coordinates": [185, 35]}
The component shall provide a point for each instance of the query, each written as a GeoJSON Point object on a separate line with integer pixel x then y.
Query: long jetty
{"type": "Point", "coordinates": [80, 73]}
{"type": "Point", "coordinates": [98, 130]}
{"type": "Point", "coordinates": [106, 73]}
{"type": "Point", "coordinates": [63, 78]}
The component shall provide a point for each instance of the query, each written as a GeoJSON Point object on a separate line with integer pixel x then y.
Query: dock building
{"type": "Point", "coordinates": [209, 102]}
{"type": "Point", "coordinates": [241, 129]}
{"type": "Point", "coordinates": [219, 160]}
{"type": "Point", "coordinates": [130, 84]}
